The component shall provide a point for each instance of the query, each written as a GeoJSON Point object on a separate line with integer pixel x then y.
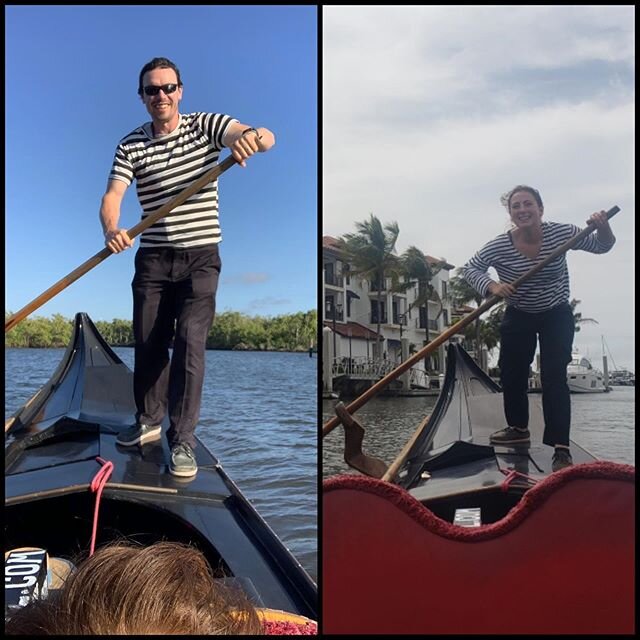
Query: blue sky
{"type": "Point", "coordinates": [450, 107]}
{"type": "Point", "coordinates": [71, 95]}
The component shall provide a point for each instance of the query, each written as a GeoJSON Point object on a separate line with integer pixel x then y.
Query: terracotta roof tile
{"type": "Point", "coordinates": [357, 330]}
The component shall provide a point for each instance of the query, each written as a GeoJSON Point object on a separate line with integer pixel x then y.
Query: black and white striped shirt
{"type": "Point", "coordinates": [547, 288]}
{"type": "Point", "coordinates": [166, 165]}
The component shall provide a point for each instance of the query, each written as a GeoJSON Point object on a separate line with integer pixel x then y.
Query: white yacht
{"type": "Point", "coordinates": [583, 378]}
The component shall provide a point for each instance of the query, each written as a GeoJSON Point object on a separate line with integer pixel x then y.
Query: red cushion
{"type": "Point", "coordinates": [561, 561]}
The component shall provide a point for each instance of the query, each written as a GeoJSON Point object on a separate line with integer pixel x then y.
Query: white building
{"type": "Point", "coordinates": [350, 311]}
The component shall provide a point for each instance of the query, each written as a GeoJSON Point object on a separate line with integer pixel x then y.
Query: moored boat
{"type": "Point", "coordinates": [583, 378]}
{"type": "Point", "coordinates": [622, 378]}
{"type": "Point", "coordinates": [470, 537]}
{"type": "Point", "coordinates": [64, 438]}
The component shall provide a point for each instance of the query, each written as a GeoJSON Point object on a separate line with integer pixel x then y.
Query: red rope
{"type": "Point", "coordinates": [97, 485]}
{"type": "Point", "coordinates": [512, 474]}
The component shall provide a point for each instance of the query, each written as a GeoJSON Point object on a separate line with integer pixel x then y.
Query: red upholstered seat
{"type": "Point", "coordinates": [562, 561]}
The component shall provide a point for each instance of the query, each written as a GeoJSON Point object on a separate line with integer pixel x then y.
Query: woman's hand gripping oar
{"type": "Point", "coordinates": [443, 337]}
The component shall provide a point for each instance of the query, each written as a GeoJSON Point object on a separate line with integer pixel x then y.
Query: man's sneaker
{"type": "Point", "coordinates": [561, 459]}
{"type": "Point", "coordinates": [510, 435]}
{"type": "Point", "coordinates": [139, 434]}
{"type": "Point", "coordinates": [183, 461]}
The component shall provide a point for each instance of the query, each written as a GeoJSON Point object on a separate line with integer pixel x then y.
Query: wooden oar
{"type": "Point", "coordinates": [330, 425]}
{"type": "Point", "coordinates": [390, 473]}
{"type": "Point", "coordinates": [136, 230]}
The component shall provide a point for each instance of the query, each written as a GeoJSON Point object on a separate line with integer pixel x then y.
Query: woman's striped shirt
{"type": "Point", "coordinates": [166, 165]}
{"type": "Point", "coordinates": [547, 288]}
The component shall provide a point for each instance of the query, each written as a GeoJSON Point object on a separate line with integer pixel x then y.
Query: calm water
{"type": "Point", "coordinates": [602, 423]}
{"type": "Point", "coordinates": [258, 417]}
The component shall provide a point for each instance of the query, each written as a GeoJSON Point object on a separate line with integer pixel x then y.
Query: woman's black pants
{"type": "Point", "coordinates": [519, 332]}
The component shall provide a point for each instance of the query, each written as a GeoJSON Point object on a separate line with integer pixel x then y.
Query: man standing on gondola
{"type": "Point", "coordinates": [177, 264]}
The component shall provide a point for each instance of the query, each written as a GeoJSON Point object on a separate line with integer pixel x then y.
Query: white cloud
{"type": "Point", "coordinates": [246, 278]}
{"type": "Point", "coordinates": [436, 54]}
{"type": "Point", "coordinates": [441, 180]}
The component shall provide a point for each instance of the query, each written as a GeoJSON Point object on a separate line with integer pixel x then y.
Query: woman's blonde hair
{"type": "Point", "coordinates": [165, 588]}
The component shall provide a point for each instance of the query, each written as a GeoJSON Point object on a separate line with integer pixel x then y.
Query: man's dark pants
{"type": "Point", "coordinates": [518, 333]}
{"type": "Point", "coordinates": [173, 298]}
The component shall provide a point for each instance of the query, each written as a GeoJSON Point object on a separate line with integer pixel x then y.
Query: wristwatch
{"type": "Point", "coordinates": [254, 131]}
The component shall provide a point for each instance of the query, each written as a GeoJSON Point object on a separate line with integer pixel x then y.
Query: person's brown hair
{"type": "Point", "coordinates": [165, 588]}
{"type": "Point", "coordinates": [157, 63]}
{"type": "Point", "coordinates": [505, 198]}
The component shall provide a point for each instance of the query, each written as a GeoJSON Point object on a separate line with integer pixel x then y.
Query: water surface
{"type": "Point", "coordinates": [602, 423]}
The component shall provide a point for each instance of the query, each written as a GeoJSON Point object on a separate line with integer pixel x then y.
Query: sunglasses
{"type": "Point", "coordinates": [152, 90]}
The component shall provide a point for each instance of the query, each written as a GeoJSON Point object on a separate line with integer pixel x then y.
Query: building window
{"type": "Point", "coordinates": [374, 312]}
{"type": "Point", "coordinates": [377, 284]}
{"type": "Point", "coordinates": [331, 276]}
{"type": "Point", "coordinates": [328, 272]}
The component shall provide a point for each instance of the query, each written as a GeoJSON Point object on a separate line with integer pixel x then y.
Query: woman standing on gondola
{"type": "Point", "coordinates": [538, 308]}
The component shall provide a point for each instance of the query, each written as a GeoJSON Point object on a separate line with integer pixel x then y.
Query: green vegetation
{"type": "Point", "coordinates": [461, 293]}
{"type": "Point", "coordinates": [420, 272]}
{"type": "Point", "coordinates": [370, 254]}
{"type": "Point", "coordinates": [230, 330]}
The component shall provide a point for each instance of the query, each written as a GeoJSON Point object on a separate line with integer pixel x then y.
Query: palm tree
{"type": "Point", "coordinates": [577, 316]}
{"type": "Point", "coordinates": [490, 328]}
{"type": "Point", "coordinates": [420, 272]}
{"type": "Point", "coordinates": [370, 254]}
{"type": "Point", "coordinates": [461, 293]}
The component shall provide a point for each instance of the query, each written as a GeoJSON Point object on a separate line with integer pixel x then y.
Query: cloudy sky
{"type": "Point", "coordinates": [431, 113]}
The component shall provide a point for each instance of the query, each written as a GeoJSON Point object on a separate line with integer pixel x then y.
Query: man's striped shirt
{"type": "Point", "coordinates": [164, 166]}
{"type": "Point", "coordinates": [546, 289]}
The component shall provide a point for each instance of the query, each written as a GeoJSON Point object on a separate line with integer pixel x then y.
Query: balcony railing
{"type": "Point", "coordinates": [375, 286]}
{"type": "Point", "coordinates": [433, 325]}
{"type": "Point", "coordinates": [371, 368]}
{"type": "Point", "coordinates": [336, 280]}
{"type": "Point", "coordinates": [361, 366]}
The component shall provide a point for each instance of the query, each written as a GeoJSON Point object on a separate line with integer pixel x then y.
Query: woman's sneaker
{"type": "Point", "coordinates": [561, 459]}
{"type": "Point", "coordinates": [511, 435]}
{"type": "Point", "coordinates": [182, 461]}
{"type": "Point", "coordinates": [139, 434]}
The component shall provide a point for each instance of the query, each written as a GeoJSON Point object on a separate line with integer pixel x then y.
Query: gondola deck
{"type": "Point", "coordinates": [533, 461]}
{"type": "Point", "coordinates": [453, 455]}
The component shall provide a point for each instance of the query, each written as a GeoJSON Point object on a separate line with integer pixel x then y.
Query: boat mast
{"type": "Point", "coordinates": [605, 369]}
{"type": "Point", "coordinates": [604, 343]}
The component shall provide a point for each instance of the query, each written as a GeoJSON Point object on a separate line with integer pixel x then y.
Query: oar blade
{"type": "Point", "coordinates": [353, 454]}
